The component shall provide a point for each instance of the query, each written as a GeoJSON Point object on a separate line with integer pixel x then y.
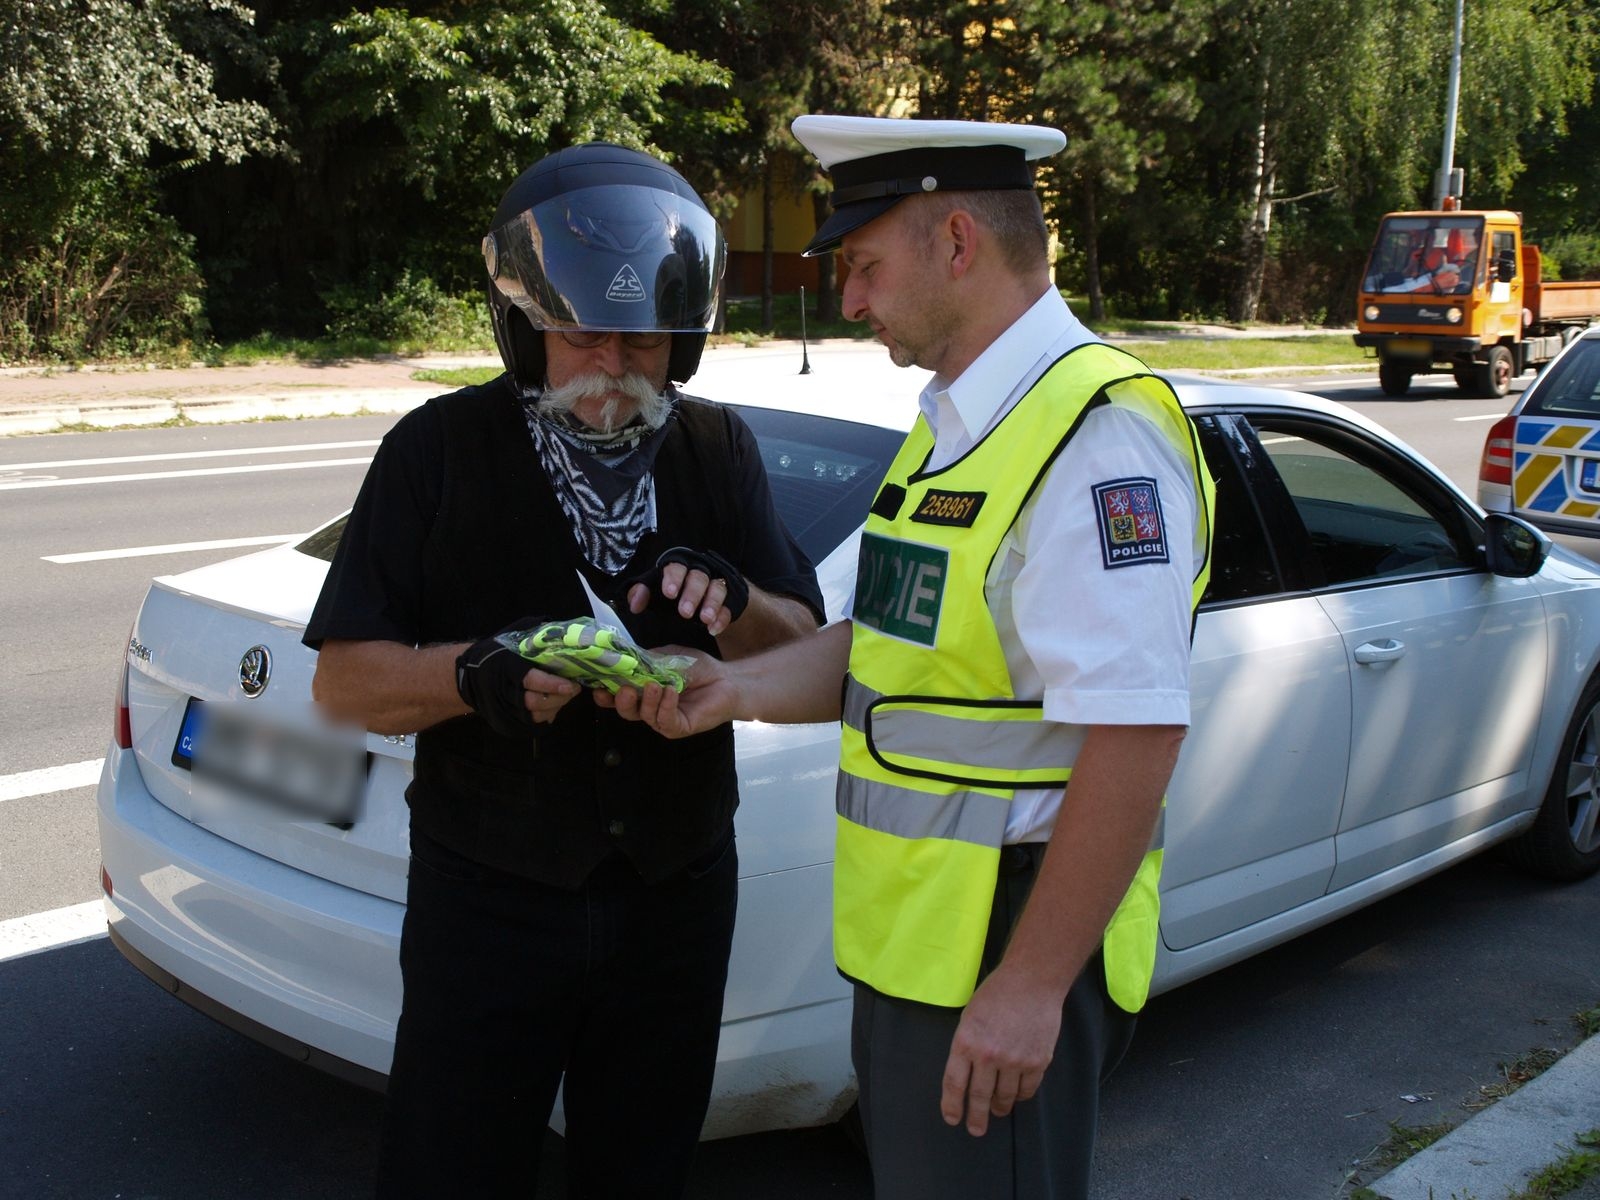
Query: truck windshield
{"type": "Point", "coordinates": [1430, 254]}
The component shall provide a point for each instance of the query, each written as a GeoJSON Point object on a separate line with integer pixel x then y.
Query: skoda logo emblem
{"type": "Point", "coordinates": [255, 668]}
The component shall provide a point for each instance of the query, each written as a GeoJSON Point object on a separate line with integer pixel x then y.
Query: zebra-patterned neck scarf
{"type": "Point", "coordinates": [604, 482]}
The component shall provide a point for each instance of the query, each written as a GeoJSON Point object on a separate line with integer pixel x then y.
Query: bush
{"type": "Point", "coordinates": [115, 278]}
{"type": "Point", "coordinates": [1571, 256]}
{"type": "Point", "coordinates": [411, 310]}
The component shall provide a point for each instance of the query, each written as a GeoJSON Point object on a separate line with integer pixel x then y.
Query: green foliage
{"type": "Point", "coordinates": [405, 125]}
{"type": "Point", "coordinates": [98, 98]}
{"type": "Point", "coordinates": [1572, 255]}
{"type": "Point", "coordinates": [115, 278]}
{"type": "Point", "coordinates": [457, 377]}
{"type": "Point", "coordinates": [1568, 1173]}
{"type": "Point", "coordinates": [410, 311]}
{"type": "Point", "coordinates": [328, 167]}
{"type": "Point", "coordinates": [109, 81]}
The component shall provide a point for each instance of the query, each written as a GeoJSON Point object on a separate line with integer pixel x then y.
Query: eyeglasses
{"type": "Point", "coordinates": [588, 339]}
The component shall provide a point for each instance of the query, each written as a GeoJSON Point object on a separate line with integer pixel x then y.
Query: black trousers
{"type": "Point", "coordinates": [511, 987]}
{"type": "Point", "coordinates": [1045, 1149]}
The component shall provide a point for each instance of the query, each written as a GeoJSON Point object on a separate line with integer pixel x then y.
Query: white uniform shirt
{"type": "Point", "coordinates": [1102, 645]}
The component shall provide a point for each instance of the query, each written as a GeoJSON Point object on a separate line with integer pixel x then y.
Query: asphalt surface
{"type": "Point", "coordinates": [1492, 1155]}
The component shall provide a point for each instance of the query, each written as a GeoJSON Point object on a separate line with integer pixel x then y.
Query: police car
{"type": "Point", "coordinates": [1542, 460]}
{"type": "Point", "coordinates": [1366, 623]}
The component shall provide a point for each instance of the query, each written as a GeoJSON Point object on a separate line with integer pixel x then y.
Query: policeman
{"type": "Point", "coordinates": [573, 877]}
{"type": "Point", "coordinates": [1015, 673]}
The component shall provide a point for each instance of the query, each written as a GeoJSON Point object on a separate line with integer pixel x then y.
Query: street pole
{"type": "Point", "coordinates": [1442, 183]}
{"type": "Point", "coordinates": [805, 359]}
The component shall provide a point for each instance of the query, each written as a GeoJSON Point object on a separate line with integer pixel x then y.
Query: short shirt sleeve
{"type": "Point", "coordinates": [373, 590]}
{"type": "Point", "coordinates": [1100, 570]}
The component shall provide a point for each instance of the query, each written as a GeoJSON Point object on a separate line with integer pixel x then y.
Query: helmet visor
{"type": "Point", "coordinates": [618, 257]}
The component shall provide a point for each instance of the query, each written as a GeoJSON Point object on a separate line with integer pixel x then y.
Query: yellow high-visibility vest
{"type": "Point", "coordinates": [935, 739]}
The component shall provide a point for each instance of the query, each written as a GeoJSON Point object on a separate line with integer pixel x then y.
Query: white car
{"type": "Point", "coordinates": [1384, 682]}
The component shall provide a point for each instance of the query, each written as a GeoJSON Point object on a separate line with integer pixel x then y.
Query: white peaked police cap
{"type": "Point", "coordinates": [876, 162]}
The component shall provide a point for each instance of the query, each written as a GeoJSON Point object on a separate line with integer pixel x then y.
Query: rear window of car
{"type": "Point", "coordinates": [823, 473]}
{"type": "Point", "coordinates": [1570, 386]}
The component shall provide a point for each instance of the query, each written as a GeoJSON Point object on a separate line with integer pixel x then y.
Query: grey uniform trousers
{"type": "Point", "coordinates": [1042, 1151]}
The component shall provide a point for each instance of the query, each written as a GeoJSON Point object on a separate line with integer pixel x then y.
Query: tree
{"type": "Point", "coordinates": [98, 98]}
{"type": "Point", "coordinates": [404, 127]}
{"type": "Point", "coordinates": [1114, 76]}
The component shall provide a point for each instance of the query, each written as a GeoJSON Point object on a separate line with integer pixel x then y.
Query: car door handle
{"type": "Point", "coordinates": [1378, 653]}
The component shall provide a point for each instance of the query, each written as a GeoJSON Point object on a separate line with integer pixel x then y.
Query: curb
{"type": "Point", "coordinates": [1497, 1152]}
{"type": "Point", "coordinates": [288, 404]}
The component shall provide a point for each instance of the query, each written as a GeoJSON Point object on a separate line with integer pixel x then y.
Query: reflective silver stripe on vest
{"type": "Point", "coordinates": [975, 817]}
{"type": "Point", "coordinates": [908, 813]}
{"type": "Point", "coordinates": [1032, 745]}
{"type": "Point", "coordinates": [905, 813]}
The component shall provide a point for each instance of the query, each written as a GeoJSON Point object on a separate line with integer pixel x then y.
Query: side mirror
{"type": "Point", "coordinates": [1513, 547]}
{"type": "Point", "coordinates": [1506, 268]}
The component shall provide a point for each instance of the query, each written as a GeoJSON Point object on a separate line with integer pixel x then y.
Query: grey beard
{"type": "Point", "coordinates": [646, 406]}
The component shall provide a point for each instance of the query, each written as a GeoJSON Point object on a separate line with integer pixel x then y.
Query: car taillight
{"type": "Point", "coordinates": [1496, 464]}
{"type": "Point", "coordinates": [105, 880]}
{"type": "Point", "coordinates": [123, 728]}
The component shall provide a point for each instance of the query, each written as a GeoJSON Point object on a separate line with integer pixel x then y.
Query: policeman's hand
{"type": "Point", "coordinates": [700, 581]}
{"type": "Point", "coordinates": [1003, 1043]}
{"type": "Point", "coordinates": [500, 686]}
{"type": "Point", "coordinates": [707, 700]}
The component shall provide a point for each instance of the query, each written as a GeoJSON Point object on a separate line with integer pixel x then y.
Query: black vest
{"type": "Point", "coordinates": [551, 805]}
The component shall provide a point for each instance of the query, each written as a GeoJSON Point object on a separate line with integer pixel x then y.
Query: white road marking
{"type": "Point", "coordinates": [187, 454]}
{"type": "Point", "coordinates": [50, 779]}
{"type": "Point", "coordinates": [148, 475]}
{"type": "Point", "coordinates": [1483, 417]}
{"type": "Point", "coordinates": [47, 930]}
{"type": "Point", "coordinates": [276, 539]}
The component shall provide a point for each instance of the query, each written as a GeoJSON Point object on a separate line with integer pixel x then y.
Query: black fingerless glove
{"type": "Point", "coordinates": [489, 677]}
{"type": "Point", "coordinates": [712, 564]}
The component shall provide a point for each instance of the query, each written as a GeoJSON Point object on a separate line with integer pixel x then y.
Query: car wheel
{"type": "Point", "coordinates": [1395, 380]}
{"type": "Point", "coordinates": [1493, 375]}
{"type": "Point", "coordinates": [1563, 843]}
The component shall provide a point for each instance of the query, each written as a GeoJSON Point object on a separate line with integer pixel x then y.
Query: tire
{"type": "Point", "coordinates": [1466, 378]}
{"type": "Point", "coordinates": [1395, 380]}
{"type": "Point", "coordinates": [1493, 375]}
{"type": "Point", "coordinates": [1563, 843]}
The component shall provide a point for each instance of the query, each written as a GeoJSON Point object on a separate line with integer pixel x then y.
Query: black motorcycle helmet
{"type": "Point", "coordinates": [601, 237]}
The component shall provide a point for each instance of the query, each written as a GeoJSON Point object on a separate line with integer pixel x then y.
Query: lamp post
{"type": "Point", "coordinates": [805, 359]}
{"type": "Point", "coordinates": [1449, 181]}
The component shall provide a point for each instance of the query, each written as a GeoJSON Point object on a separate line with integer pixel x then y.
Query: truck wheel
{"type": "Point", "coordinates": [1466, 378]}
{"type": "Point", "coordinates": [1493, 375]}
{"type": "Point", "coordinates": [1394, 379]}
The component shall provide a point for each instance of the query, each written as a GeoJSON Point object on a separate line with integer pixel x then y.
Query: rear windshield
{"type": "Point", "coordinates": [823, 473]}
{"type": "Point", "coordinates": [1570, 386]}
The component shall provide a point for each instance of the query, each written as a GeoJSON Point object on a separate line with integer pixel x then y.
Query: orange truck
{"type": "Point", "coordinates": [1459, 291]}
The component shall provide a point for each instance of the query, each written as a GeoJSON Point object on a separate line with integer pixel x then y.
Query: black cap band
{"type": "Point", "coordinates": [931, 169]}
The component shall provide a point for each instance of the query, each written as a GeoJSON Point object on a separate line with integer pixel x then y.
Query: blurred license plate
{"type": "Point", "coordinates": [1589, 477]}
{"type": "Point", "coordinates": [289, 762]}
{"type": "Point", "coordinates": [1411, 348]}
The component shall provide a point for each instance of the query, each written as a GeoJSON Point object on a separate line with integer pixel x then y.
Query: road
{"type": "Point", "coordinates": [1270, 1079]}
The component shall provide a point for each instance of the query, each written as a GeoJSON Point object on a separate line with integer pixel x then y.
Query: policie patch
{"type": "Point", "coordinates": [949, 508]}
{"type": "Point", "coordinates": [1129, 515]}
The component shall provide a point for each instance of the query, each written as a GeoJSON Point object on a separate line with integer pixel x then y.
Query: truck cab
{"type": "Point", "coordinates": [1443, 291]}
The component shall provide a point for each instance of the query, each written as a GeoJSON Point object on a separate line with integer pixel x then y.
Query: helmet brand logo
{"type": "Point", "coordinates": [626, 287]}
